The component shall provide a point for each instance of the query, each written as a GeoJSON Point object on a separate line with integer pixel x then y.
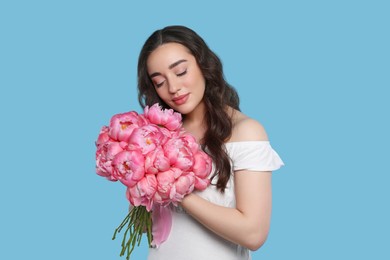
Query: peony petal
{"type": "Point", "coordinates": [122, 125]}
{"type": "Point", "coordinates": [201, 184]}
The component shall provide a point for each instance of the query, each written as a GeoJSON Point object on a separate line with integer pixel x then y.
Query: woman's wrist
{"type": "Point", "coordinates": [187, 200]}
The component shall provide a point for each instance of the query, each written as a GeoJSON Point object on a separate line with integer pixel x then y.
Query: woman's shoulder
{"type": "Point", "coordinates": [246, 128]}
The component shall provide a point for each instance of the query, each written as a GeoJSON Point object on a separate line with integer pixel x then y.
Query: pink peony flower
{"type": "Point", "coordinates": [179, 155]}
{"type": "Point", "coordinates": [133, 194]}
{"type": "Point", "coordinates": [165, 181]}
{"type": "Point", "coordinates": [103, 165]}
{"type": "Point", "coordinates": [201, 168]}
{"type": "Point", "coordinates": [129, 167]}
{"type": "Point", "coordinates": [104, 157]}
{"type": "Point", "coordinates": [148, 186]}
{"type": "Point", "coordinates": [182, 186]}
{"type": "Point", "coordinates": [146, 138]}
{"type": "Point", "coordinates": [103, 137]}
{"type": "Point", "coordinates": [173, 185]}
{"type": "Point", "coordinates": [122, 125]}
{"type": "Point", "coordinates": [142, 193]}
{"type": "Point", "coordinates": [163, 117]}
{"type": "Point", "coordinates": [155, 161]}
{"type": "Point", "coordinates": [190, 142]}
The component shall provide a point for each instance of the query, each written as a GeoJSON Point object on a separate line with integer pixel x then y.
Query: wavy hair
{"type": "Point", "coordinates": [218, 93]}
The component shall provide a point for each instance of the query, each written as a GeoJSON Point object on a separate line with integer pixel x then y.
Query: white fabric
{"type": "Point", "coordinates": [190, 240]}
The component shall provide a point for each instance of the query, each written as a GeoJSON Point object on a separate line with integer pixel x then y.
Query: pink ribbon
{"type": "Point", "coordinates": [162, 223]}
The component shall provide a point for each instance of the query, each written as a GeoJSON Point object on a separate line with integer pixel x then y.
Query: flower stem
{"type": "Point", "coordinates": [137, 221]}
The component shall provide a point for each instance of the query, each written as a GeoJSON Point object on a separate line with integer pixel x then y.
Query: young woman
{"type": "Point", "coordinates": [232, 216]}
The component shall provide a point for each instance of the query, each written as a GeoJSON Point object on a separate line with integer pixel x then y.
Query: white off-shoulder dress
{"type": "Point", "coordinates": [189, 239]}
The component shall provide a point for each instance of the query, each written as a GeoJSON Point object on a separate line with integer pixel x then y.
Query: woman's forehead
{"type": "Point", "coordinates": [167, 54]}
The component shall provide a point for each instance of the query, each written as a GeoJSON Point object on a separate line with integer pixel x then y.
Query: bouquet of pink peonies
{"type": "Point", "coordinates": [158, 162]}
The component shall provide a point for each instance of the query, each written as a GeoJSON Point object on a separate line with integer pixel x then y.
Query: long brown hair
{"type": "Point", "coordinates": [218, 93]}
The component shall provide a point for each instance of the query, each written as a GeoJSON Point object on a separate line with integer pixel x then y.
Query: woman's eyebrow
{"type": "Point", "coordinates": [176, 63]}
{"type": "Point", "coordinates": [155, 74]}
{"type": "Point", "coordinates": [170, 67]}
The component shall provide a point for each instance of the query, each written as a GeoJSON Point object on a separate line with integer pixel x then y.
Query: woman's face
{"type": "Point", "coordinates": [177, 77]}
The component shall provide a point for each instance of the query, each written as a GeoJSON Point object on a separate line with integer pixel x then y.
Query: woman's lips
{"type": "Point", "coordinates": [180, 99]}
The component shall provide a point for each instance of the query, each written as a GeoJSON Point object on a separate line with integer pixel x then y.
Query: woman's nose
{"type": "Point", "coordinates": [173, 86]}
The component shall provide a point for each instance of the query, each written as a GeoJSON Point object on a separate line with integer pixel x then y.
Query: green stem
{"type": "Point", "coordinates": [137, 221]}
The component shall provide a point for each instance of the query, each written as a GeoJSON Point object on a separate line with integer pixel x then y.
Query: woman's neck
{"type": "Point", "coordinates": [195, 122]}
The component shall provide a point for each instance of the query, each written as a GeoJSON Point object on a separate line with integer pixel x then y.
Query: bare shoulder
{"type": "Point", "coordinates": [246, 129]}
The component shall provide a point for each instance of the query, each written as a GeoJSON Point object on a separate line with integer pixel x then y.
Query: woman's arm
{"type": "Point", "coordinates": [247, 224]}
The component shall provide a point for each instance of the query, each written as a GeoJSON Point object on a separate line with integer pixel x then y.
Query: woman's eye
{"type": "Point", "coordinates": [159, 84]}
{"type": "Point", "coordinates": [182, 73]}
{"type": "Point", "coordinates": [158, 81]}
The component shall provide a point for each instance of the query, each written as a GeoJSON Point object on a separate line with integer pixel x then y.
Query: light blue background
{"type": "Point", "coordinates": [314, 73]}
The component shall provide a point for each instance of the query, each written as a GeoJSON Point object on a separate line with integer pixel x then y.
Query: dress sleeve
{"type": "Point", "coordinates": [253, 156]}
